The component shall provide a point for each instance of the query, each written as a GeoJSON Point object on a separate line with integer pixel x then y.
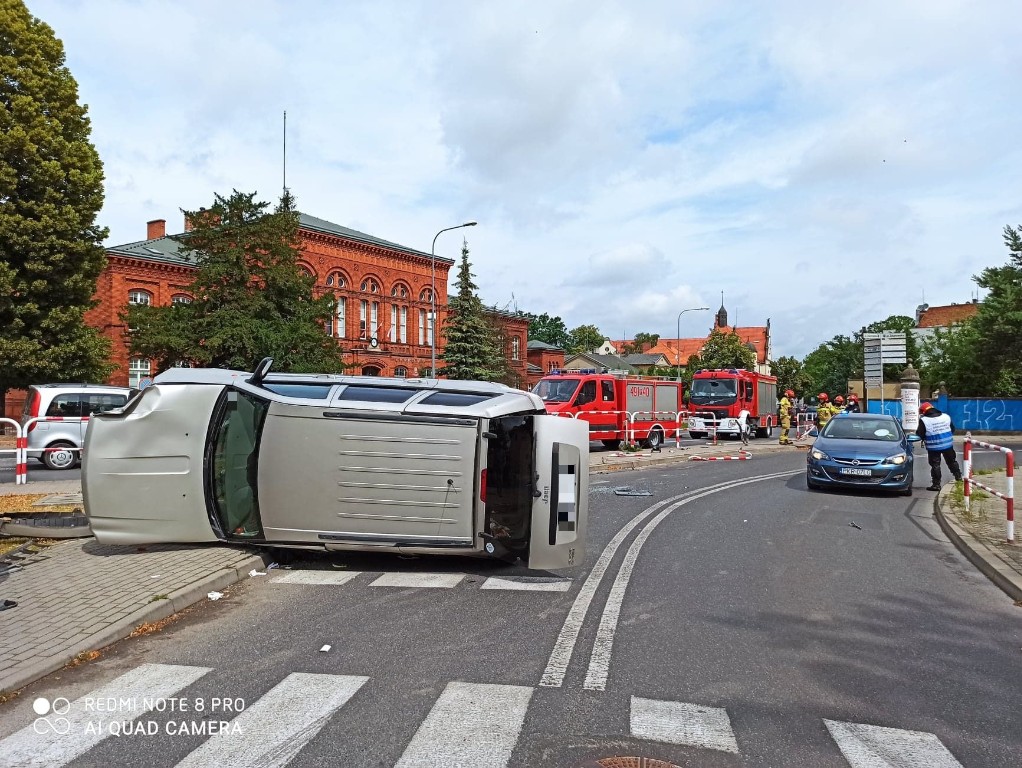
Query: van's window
{"type": "Point", "coordinates": [376, 394]}
{"type": "Point", "coordinates": [509, 480]}
{"type": "Point", "coordinates": [66, 406]}
{"type": "Point", "coordinates": [588, 393]}
{"type": "Point", "coordinates": [455, 398]}
{"type": "Point", "coordinates": [607, 390]}
{"type": "Point", "coordinates": [235, 465]}
{"type": "Point", "coordinates": [307, 391]}
{"type": "Point", "coordinates": [101, 403]}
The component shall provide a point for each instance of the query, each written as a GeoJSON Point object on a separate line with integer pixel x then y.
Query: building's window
{"type": "Point", "coordinates": [363, 315]}
{"type": "Point", "coordinates": [369, 285]}
{"type": "Point", "coordinates": [374, 319]}
{"type": "Point", "coordinates": [392, 331]}
{"type": "Point", "coordinates": [403, 326]}
{"type": "Point", "coordinates": [138, 296]}
{"type": "Point", "coordinates": [429, 330]}
{"type": "Point", "coordinates": [399, 291]}
{"type": "Point", "coordinates": [371, 370]}
{"type": "Point", "coordinates": [341, 318]}
{"type": "Point", "coordinates": [516, 345]}
{"type": "Point", "coordinates": [401, 372]}
{"type": "Point", "coordinates": [422, 327]}
{"type": "Point", "coordinates": [138, 369]}
{"type": "Point", "coordinates": [180, 298]}
{"type": "Point", "coordinates": [336, 280]}
{"type": "Point", "coordinates": [306, 270]}
{"type": "Point", "coordinates": [426, 295]}
{"type": "Point", "coordinates": [551, 366]}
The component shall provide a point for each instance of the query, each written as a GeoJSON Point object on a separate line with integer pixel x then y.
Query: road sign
{"type": "Point", "coordinates": [874, 382]}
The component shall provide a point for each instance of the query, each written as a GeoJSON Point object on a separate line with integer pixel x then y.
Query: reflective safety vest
{"type": "Point", "coordinates": [938, 432]}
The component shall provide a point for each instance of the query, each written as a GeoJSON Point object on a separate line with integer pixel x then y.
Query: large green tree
{"type": "Point", "coordinates": [550, 330]}
{"type": "Point", "coordinates": [473, 345]}
{"type": "Point", "coordinates": [51, 190]}
{"type": "Point", "coordinates": [724, 349]}
{"type": "Point", "coordinates": [584, 338]}
{"type": "Point", "coordinates": [949, 360]}
{"type": "Point", "coordinates": [832, 364]}
{"type": "Point", "coordinates": [998, 322]}
{"type": "Point", "coordinates": [250, 297]}
{"type": "Point", "coordinates": [642, 340]}
{"type": "Point", "coordinates": [790, 375]}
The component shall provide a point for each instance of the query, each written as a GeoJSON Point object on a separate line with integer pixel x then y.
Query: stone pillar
{"type": "Point", "coordinates": [910, 398]}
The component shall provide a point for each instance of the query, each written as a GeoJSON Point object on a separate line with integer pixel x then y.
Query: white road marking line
{"type": "Point", "coordinates": [281, 722]}
{"type": "Point", "coordinates": [599, 662]}
{"type": "Point", "coordinates": [471, 725]}
{"type": "Point", "coordinates": [533, 585]}
{"type": "Point", "coordinates": [873, 746]}
{"type": "Point", "coordinates": [57, 737]}
{"type": "Point", "coordinates": [438, 580]}
{"type": "Point", "coordinates": [316, 577]}
{"type": "Point", "coordinates": [675, 722]}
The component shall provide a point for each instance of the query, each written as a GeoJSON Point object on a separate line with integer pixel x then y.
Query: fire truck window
{"type": "Point", "coordinates": [587, 394]}
{"type": "Point", "coordinates": [607, 388]}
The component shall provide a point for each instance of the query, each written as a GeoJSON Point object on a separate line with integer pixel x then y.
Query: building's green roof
{"type": "Point", "coordinates": [169, 250]}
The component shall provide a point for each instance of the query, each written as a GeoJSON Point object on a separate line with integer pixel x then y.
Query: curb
{"type": "Point", "coordinates": [986, 560]}
{"type": "Point", "coordinates": [119, 630]}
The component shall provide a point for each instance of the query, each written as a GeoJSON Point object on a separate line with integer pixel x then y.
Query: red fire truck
{"type": "Point", "coordinates": [609, 402]}
{"type": "Point", "coordinates": [721, 398]}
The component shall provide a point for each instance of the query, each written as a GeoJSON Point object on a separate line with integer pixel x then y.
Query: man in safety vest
{"type": "Point", "coordinates": [824, 410]}
{"type": "Point", "coordinates": [784, 410]}
{"type": "Point", "coordinates": [937, 431]}
{"type": "Point", "coordinates": [853, 404]}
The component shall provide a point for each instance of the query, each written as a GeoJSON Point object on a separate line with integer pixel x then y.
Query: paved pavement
{"type": "Point", "coordinates": [78, 595]}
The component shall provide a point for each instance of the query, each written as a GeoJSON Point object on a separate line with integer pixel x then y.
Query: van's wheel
{"type": "Point", "coordinates": [60, 455]}
{"type": "Point", "coordinates": [611, 444]}
{"type": "Point", "coordinates": [655, 438]}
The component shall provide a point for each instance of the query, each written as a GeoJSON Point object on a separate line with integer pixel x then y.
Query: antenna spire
{"type": "Point", "coordinates": [285, 151]}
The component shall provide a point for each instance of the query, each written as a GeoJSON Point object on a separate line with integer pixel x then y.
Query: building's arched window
{"type": "Point", "coordinates": [336, 280]}
{"type": "Point", "coordinates": [369, 285]}
{"type": "Point", "coordinates": [426, 295]}
{"type": "Point", "coordinates": [138, 369]}
{"type": "Point", "coordinates": [516, 347]}
{"type": "Point", "coordinates": [307, 270]}
{"type": "Point", "coordinates": [399, 291]}
{"type": "Point", "coordinates": [180, 298]}
{"type": "Point", "coordinates": [370, 370]}
{"type": "Point", "coordinates": [401, 372]}
{"type": "Point", "coordinates": [138, 296]}
{"type": "Point", "coordinates": [339, 325]}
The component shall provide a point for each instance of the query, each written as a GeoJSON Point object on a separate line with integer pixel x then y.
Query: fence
{"type": "Point", "coordinates": [986, 414]}
{"type": "Point", "coordinates": [666, 420]}
{"type": "Point", "coordinates": [1008, 495]}
{"type": "Point", "coordinates": [20, 449]}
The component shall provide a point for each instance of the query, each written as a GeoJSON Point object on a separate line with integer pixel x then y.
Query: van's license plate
{"type": "Point", "coordinates": [856, 471]}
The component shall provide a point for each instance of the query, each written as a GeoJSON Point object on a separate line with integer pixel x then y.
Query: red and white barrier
{"type": "Point", "coordinates": [742, 456]}
{"type": "Point", "coordinates": [1009, 467]}
{"type": "Point", "coordinates": [19, 451]}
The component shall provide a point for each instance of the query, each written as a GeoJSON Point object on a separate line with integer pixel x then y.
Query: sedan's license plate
{"type": "Point", "coordinates": [856, 471]}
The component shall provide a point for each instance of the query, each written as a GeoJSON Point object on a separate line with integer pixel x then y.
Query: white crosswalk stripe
{"type": "Point", "coordinates": [675, 722]}
{"type": "Point", "coordinates": [423, 580]}
{"type": "Point", "coordinates": [86, 721]}
{"type": "Point", "coordinates": [471, 724]}
{"type": "Point", "coordinates": [872, 746]}
{"type": "Point", "coordinates": [276, 728]}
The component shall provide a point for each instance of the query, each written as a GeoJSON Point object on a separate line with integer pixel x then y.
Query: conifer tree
{"type": "Point", "coordinates": [51, 190]}
{"type": "Point", "coordinates": [251, 298]}
{"type": "Point", "coordinates": [472, 346]}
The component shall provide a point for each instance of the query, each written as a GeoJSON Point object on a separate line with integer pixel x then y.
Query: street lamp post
{"type": "Point", "coordinates": [432, 296]}
{"type": "Point", "coordinates": [677, 338]}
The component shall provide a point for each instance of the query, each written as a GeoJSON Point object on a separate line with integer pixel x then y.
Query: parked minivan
{"type": "Point", "coordinates": [58, 443]}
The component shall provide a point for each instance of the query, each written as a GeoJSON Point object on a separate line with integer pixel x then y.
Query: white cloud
{"type": "Point", "coordinates": [822, 165]}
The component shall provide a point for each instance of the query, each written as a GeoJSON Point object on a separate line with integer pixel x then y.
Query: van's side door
{"type": "Point", "coordinates": [560, 509]}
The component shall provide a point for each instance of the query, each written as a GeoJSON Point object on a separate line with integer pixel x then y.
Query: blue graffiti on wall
{"type": "Point", "coordinates": [968, 413]}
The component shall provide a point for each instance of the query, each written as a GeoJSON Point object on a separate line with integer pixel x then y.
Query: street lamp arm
{"type": "Point", "coordinates": [677, 339]}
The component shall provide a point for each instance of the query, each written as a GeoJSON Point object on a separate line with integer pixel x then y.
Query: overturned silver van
{"type": "Point", "coordinates": [339, 462]}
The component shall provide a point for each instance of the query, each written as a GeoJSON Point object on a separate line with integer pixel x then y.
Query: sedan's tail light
{"type": "Point", "coordinates": [482, 486]}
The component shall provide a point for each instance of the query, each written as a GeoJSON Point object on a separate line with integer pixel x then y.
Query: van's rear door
{"type": "Point", "coordinates": [560, 509]}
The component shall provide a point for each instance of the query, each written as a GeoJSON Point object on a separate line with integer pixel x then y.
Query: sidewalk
{"type": "Point", "coordinates": [981, 535]}
{"type": "Point", "coordinates": [78, 595]}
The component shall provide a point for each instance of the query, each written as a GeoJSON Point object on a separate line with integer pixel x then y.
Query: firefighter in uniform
{"type": "Point", "coordinates": [824, 410]}
{"type": "Point", "coordinates": [785, 409]}
{"type": "Point", "coordinates": [853, 404]}
{"type": "Point", "coordinates": [839, 404]}
{"type": "Point", "coordinates": [937, 431]}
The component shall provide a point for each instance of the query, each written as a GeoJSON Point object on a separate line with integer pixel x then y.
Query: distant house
{"type": "Point", "coordinates": [755, 337]}
{"type": "Point", "coordinates": [542, 359]}
{"type": "Point", "coordinates": [609, 347]}
{"type": "Point", "coordinates": [930, 319]}
{"type": "Point", "coordinates": [601, 363]}
{"type": "Point", "coordinates": [645, 362]}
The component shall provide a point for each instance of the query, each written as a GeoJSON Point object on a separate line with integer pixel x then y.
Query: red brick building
{"type": "Point", "coordinates": [542, 359]}
{"type": "Point", "coordinates": [382, 290]}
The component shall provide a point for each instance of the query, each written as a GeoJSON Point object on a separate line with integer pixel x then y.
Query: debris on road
{"type": "Point", "coordinates": [215, 595]}
{"type": "Point", "coordinates": [856, 527]}
{"type": "Point", "coordinates": [324, 649]}
{"type": "Point", "coordinates": [631, 492]}
{"type": "Point", "coordinates": [255, 572]}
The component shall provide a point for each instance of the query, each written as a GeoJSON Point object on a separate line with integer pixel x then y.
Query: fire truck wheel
{"type": "Point", "coordinates": [656, 438]}
{"type": "Point", "coordinates": [697, 435]}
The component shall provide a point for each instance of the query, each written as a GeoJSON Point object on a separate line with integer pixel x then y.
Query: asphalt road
{"type": "Point", "coordinates": [36, 471]}
{"type": "Point", "coordinates": [740, 620]}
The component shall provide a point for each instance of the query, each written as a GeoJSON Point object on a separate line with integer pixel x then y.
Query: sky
{"type": "Point", "coordinates": [823, 165]}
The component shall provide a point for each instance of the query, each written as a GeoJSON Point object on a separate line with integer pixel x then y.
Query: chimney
{"type": "Point", "coordinates": [156, 228]}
